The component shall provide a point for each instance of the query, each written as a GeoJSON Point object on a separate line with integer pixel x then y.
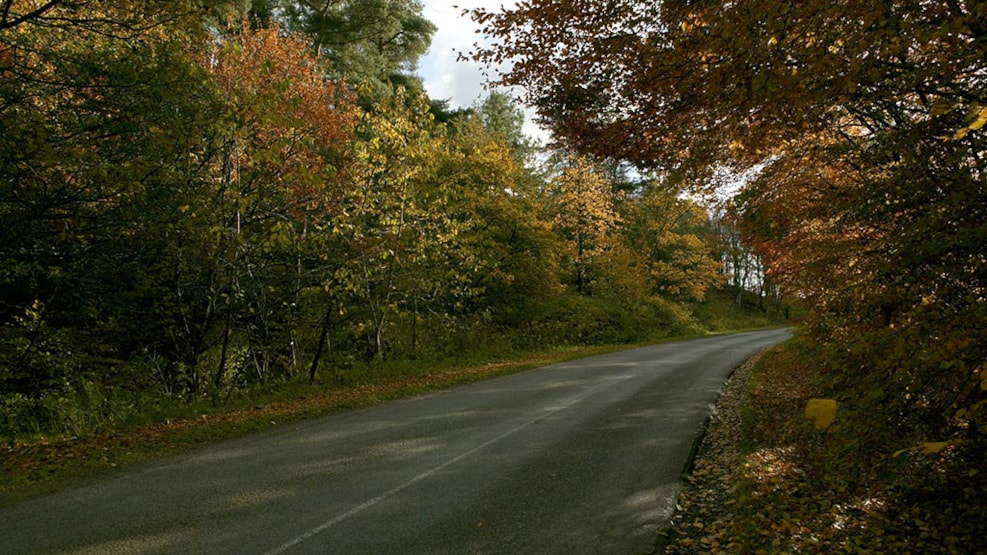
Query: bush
{"type": "Point", "coordinates": [73, 410]}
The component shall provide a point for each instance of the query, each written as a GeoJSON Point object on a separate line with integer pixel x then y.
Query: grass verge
{"type": "Point", "coordinates": [40, 465]}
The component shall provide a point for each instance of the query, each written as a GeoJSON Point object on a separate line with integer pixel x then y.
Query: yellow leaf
{"type": "Point", "coordinates": [980, 121]}
{"type": "Point", "coordinates": [934, 447]}
{"type": "Point", "coordinates": [940, 108]}
{"type": "Point", "coordinates": [822, 411]}
{"type": "Point", "coordinates": [927, 448]}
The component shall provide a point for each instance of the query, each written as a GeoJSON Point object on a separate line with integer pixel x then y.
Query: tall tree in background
{"type": "Point", "coordinates": [509, 249]}
{"type": "Point", "coordinates": [667, 237]}
{"type": "Point", "coordinates": [867, 121]}
{"type": "Point", "coordinates": [377, 41]}
{"type": "Point", "coordinates": [582, 207]}
{"type": "Point", "coordinates": [499, 114]}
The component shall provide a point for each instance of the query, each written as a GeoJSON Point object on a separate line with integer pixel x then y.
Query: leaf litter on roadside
{"type": "Point", "coordinates": [766, 480]}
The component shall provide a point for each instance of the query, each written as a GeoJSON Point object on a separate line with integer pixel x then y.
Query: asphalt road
{"type": "Point", "coordinates": [580, 457]}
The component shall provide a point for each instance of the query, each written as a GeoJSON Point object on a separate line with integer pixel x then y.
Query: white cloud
{"type": "Point", "coordinates": [447, 78]}
{"type": "Point", "coordinates": [461, 82]}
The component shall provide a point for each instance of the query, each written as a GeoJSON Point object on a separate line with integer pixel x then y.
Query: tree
{"type": "Point", "coordinates": [741, 265]}
{"type": "Point", "coordinates": [119, 17]}
{"type": "Point", "coordinates": [11, 17]}
{"type": "Point", "coordinates": [865, 123]}
{"type": "Point", "coordinates": [92, 99]}
{"type": "Point", "coordinates": [275, 179]}
{"type": "Point", "coordinates": [690, 84]}
{"type": "Point", "coordinates": [499, 114]}
{"type": "Point", "coordinates": [581, 205]}
{"type": "Point", "coordinates": [378, 41]}
{"type": "Point", "coordinates": [505, 251]}
{"type": "Point", "coordinates": [394, 224]}
{"type": "Point", "coordinates": [668, 238]}
{"type": "Point", "coordinates": [158, 187]}
{"type": "Point", "coordinates": [443, 114]}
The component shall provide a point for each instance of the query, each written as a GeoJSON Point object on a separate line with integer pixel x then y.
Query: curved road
{"type": "Point", "coordinates": [579, 457]}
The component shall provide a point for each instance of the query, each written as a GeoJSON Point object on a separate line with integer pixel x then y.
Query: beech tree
{"type": "Point", "coordinates": [505, 249]}
{"type": "Point", "coordinates": [581, 205]}
{"type": "Point", "coordinates": [394, 223]}
{"type": "Point", "coordinates": [669, 243]}
{"type": "Point", "coordinates": [273, 181]}
{"type": "Point", "coordinates": [690, 83]}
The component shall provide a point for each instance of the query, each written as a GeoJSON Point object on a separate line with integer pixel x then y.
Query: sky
{"type": "Point", "coordinates": [445, 78]}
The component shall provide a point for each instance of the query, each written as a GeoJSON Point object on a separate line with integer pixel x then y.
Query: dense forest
{"type": "Point", "coordinates": [200, 199]}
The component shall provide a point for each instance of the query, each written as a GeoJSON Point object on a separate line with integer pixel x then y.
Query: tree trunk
{"type": "Point", "coordinates": [323, 339]}
{"type": "Point", "coordinates": [218, 381]}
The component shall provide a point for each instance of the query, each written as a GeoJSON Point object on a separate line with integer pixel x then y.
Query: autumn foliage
{"type": "Point", "coordinates": [856, 132]}
{"type": "Point", "coordinates": [203, 202]}
{"type": "Point", "coordinates": [863, 126]}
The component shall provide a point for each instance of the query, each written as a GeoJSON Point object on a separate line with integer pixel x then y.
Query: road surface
{"type": "Point", "coordinates": [580, 457]}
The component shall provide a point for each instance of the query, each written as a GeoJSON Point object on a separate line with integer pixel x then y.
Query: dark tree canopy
{"type": "Point", "coordinates": [684, 81]}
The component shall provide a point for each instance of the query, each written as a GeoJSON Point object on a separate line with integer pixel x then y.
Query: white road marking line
{"type": "Point", "coordinates": [398, 489]}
